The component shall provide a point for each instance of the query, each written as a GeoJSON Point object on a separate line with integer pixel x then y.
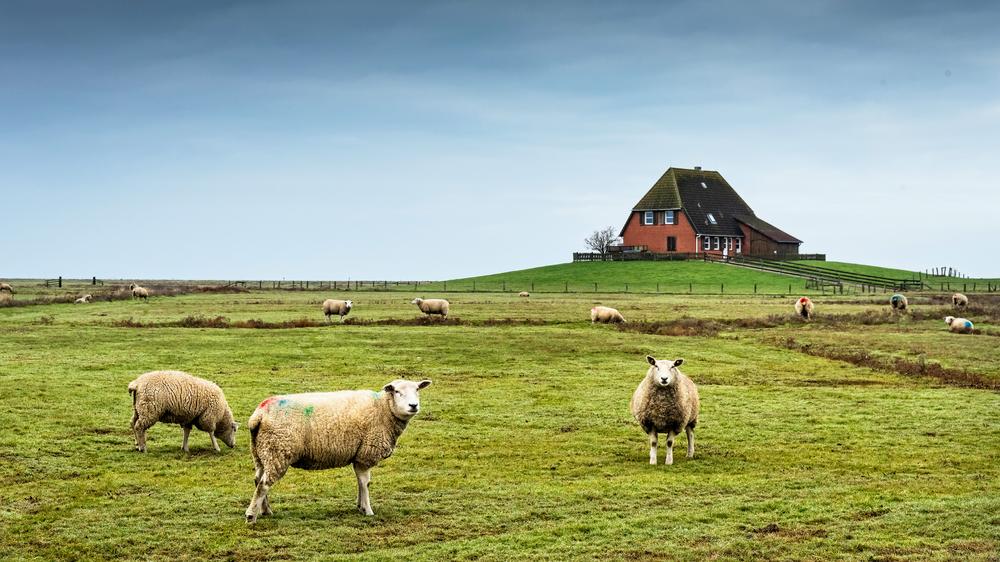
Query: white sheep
{"type": "Point", "coordinates": [605, 315]}
{"type": "Point", "coordinates": [432, 306]}
{"type": "Point", "coordinates": [898, 302]}
{"type": "Point", "coordinates": [321, 430]}
{"type": "Point", "coordinates": [341, 308]}
{"type": "Point", "coordinates": [959, 325]}
{"type": "Point", "coordinates": [804, 307]}
{"type": "Point", "coordinates": [958, 300]}
{"type": "Point", "coordinates": [84, 299]}
{"type": "Point", "coordinates": [177, 397]}
{"type": "Point", "coordinates": [666, 401]}
{"type": "Point", "coordinates": [5, 287]}
{"type": "Point", "coordinates": [524, 294]}
{"type": "Point", "coordinates": [139, 292]}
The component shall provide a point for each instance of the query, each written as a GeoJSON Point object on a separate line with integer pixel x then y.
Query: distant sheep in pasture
{"type": "Point", "coordinates": [898, 302]}
{"type": "Point", "coordinates": [177, 397]}
{"type": "Point", "coordinates": [804, 307]}
{"type": "Point", "coordinates": [84, 299]}
{"type": "Point", "coordinates": [524, 294]}
{"type": "Point", "coordinates": [958, 300]}
{"type": "Point", "coordinates": [605, 315]}
{"type": "Point", "coordinates": [959, 325]}
{"type": "Point", "coordinates": [139, 292]}
{"type": "Point", "coordinates": [432, 306]}
{"type": "Point", "coordinates": [340, 308]}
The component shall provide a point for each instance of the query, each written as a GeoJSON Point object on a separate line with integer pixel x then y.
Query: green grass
{"type": "Point", "coordinates": [525, 448]}
{"type": "Point", "coordinates": [893, 272]}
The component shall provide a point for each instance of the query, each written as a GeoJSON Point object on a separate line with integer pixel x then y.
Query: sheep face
{"type": "Point", "coordinates": [349, 305]}
{"type": "Point", "coordinates": [405, 397]}
{"type": "Point", "coordinates": [227, 433]}
{"type": "Point", "coordinates": [417, 301]}
{"type": "Point", "coordinates": [948, 320]}
{"type": "Point", "coordinates": [131, 287]}
{"type": "Point", "coordinates": [663, 373]}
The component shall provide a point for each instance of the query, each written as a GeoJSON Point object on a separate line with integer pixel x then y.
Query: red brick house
{"type": "Point", "coordinates": [695, 211]}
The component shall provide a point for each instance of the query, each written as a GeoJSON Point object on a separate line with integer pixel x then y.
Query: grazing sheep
{"type": "Point", "coordinates": [666, 401]}
{"type": "Point", "coordinates": [432, 306]}
{"type": "Point", "coordinates": [958, 300]}
{"type": "Point", "coordinates": [177, 397]}
{"type": "Point", "coordinates": [341, 308]}
{"type": "Point", "coordinates": [804, 307]}
{"type": "Point", "coordinates": [6, 287]}
{"type": "Point", "coordinates": [139, 292]}
{"type": "Point", "coordinates": [84, 299]}
{"type": "Point", "coordinates": [321, 430]}
{"type": "Point", "coordinates": [959, 325]}
{"type": "Point", "coordinates": [605, 315]}
{"type": "Point", "coordinates": [898, 302]}
{"type": "Point", "coordinates": [524, 294]}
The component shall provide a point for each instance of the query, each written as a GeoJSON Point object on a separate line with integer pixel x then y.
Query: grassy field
{"type": "Point", "coordinates": [832, 440]}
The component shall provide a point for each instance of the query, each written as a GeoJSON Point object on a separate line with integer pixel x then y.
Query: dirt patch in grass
{"type": "Point", "coordinates": [897, 365]}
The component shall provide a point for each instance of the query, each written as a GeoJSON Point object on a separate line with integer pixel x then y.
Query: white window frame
{"type": "Point", "coordinates": [707, 244]}
{"type": "Point", "coordinates": [711, 218]}
{"type": "Point", "coordinates": [716, 243]}
{"type": "Point", "coordinates": [739, 245]}
{"type": "Point", "coordinates": [648, 218]}
{"type": "Point", "coordinates": [669, 217]}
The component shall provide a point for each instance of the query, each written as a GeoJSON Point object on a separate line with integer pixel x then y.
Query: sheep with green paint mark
{"type": "Point", "coordinates": [177, 397]}
{"type": "Point", "coordinates": [321, 430]}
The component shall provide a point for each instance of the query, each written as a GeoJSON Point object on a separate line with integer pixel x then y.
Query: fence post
{"type": "Point", "coordinates": [789, 288]}
{"type": "Point", "coordinates": [504, 286]}
{"type": "Point", "coordinates": [60, 281]}
{"type": "Point", "coordinates": [93, 281]}
{"type": "Point", "coordinates": [722, 288]}
{"type": "Point", "coordinates": [595, 287]}
{"type": "Point", "coordinates": [566, 289]}
{"type": "Point", "coordinates": [532, 285]}
{"type": "Point", "coordinates": [445, 285]}
{"type": "Point", "coordinates": [473, 286]}
{"type": "Point", "coordinates": [755, 288]}
{"type": "Point", "coordinates": [690, 288]}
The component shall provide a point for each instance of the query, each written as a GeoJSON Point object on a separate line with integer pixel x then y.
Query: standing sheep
{"type": "Point", "coordinates": [341, 308]}
{"type": "Point", "coordinates": [605, 315]}
{"type": "Point", "coordinates": [666, 401]}
{"type": "Point", "coordinates": [958, 300]}
{"type": "Point", "coordinates": [959, 325]}
{"type": "Point", "coordinates": [84, 299]}
{"type": "Point", "coordinates": [898, 302]}
{"type": "Point", "coordinates": [804, 307]}
{"type": "Point", "coordinates": [5, 287]}
{"type": "Point", "coordinates": [139, 292]}
{"type": "Point", "coordinates": [177, 397]}
{"type": "Point", "coordinates": [432, 306]}
{"type": "Point", "coordinates": [524, 294]}
{"type": "Point", "coordinates": [321, 430]}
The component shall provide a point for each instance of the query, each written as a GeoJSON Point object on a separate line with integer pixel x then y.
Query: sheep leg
{"type": "Point", "coordinates": [187, 431]}
{"type": "Point", "coordinates": [670, 447]}
{"type": "Point", "coordinates": [690, 435]}
{"type": "Point", "coordinates": [139, 429]}
{"type": "Point", "coordinates": [266, 481]}
{"type": "Point", "coordinates": [215, 444]}
{"type": "Point", "coordinates": [257, 476]}
{"type": "Point", "coordinates": [364, 478]}
{"type": "Point", "coordinates": [652, 446]}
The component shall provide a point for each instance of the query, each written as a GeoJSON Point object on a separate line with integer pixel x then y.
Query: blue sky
{"type": "Point", "coordinates": [413, 140]}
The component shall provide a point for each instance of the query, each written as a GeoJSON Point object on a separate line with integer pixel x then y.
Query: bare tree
{"type": "Point", "coordinates": [601, 240]}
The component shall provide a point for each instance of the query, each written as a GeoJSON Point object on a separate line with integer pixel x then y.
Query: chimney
{"type": "Point", "coordinates": [697, 168]}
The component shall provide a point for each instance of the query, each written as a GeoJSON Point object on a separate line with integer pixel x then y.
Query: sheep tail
{"type": "Point", "coordinates": [254, 426]}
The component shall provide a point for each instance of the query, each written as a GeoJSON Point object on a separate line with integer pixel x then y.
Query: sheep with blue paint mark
{"type": "Point", "coordinates": [959, 325]}
{"type": "Point", "coordinates": [321, 430]}
{"type": "Point", "coordinates": [898, 302]}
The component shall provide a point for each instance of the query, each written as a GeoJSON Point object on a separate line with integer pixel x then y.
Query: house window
{"type": "Point", "coordinates": [671, 243]}
{"type": "Point", "coordinates": [648, 218]}
{"type": "Point", "coordinates": [716, 242]}
{"type": "Point", "coordinates": [704, 186]}
{"type": "Point", "coordinates": [668, 217]}
{"type": "Point", "coordinates": [739, 245]}
{"type": "Point", "coordinates": [708, 243]}
{"type": "Point", "coordinates": [711, 218]}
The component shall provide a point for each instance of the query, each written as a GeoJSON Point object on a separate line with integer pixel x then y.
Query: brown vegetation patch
{"type": "Point", "coordinates": [898, 365]}
{"type": "Point", "coordinates": [223, 322]}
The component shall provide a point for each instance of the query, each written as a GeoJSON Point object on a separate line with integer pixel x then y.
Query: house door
{"type": "Point", "coordinates": [671, 243]}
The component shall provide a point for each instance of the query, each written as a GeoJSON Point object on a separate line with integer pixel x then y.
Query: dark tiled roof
{"type": "Point", "coordinates": [767, 229]}
{"type": "Point", "coordinates": [703, 192]}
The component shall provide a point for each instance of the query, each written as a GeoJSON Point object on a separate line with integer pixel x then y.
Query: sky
{"type": "Point", "coordinates": [432, 140]}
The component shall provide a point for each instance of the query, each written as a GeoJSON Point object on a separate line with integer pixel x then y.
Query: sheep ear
{"type": "Point", "coordinates": [423, 384]}
{"type": "Point", "coordinates": [678, 362]}
{"type": "Point", "coordinates": [651, 359]}
{"type": "Point", "coordinates": [389, 388]}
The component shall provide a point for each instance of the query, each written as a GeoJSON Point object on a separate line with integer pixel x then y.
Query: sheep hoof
{"type": "Point", "coordinates": [251, 518]}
